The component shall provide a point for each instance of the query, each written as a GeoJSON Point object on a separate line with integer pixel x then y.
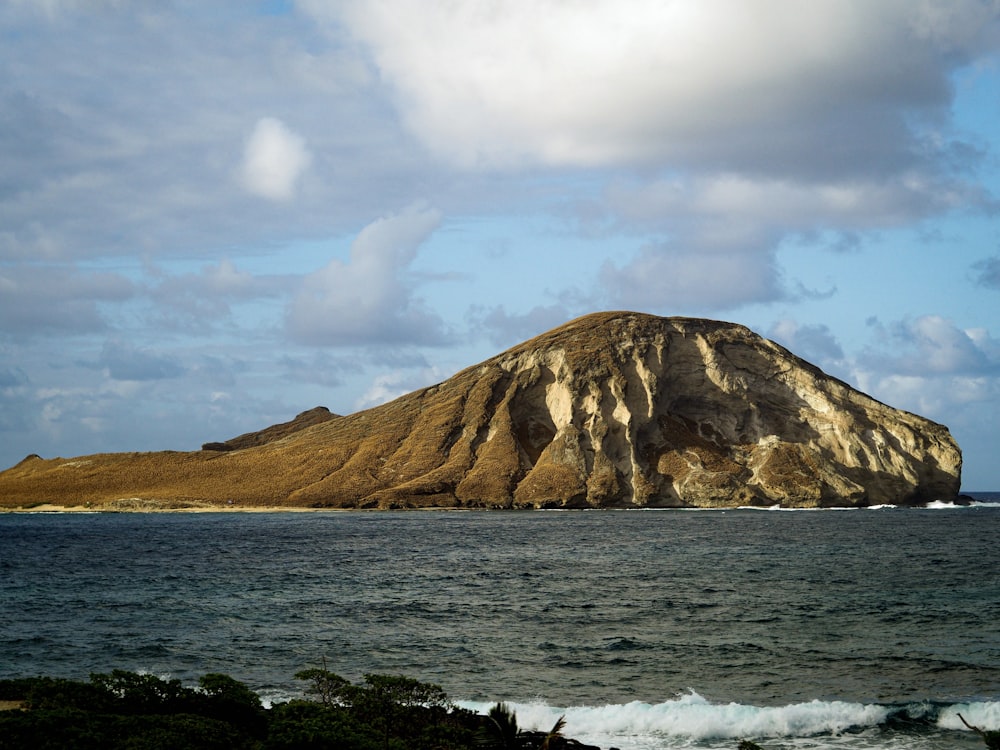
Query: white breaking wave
{"type": "Point", "coordinates": [692, 716]}
{"type": "Point", "coordinates": [691, 719]}
{"type": "Point", "coordinates": [948, 505]}
{"type": "Point", "coordinates": [985, 715]}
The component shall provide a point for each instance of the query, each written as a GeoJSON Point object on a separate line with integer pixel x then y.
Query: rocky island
{"type": "Point", "coordinates": [612, 410]}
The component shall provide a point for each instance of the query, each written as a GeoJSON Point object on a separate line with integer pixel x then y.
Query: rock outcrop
{"type": "Point", "coordinates": [612, 410]}
{"type": "Point", "coordinates": [274, 432]}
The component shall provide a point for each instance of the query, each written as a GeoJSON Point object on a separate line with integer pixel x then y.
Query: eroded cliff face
{"type": "Point", "coordinates": [610, 410]}
{"type": "Point", "coordinates": [670, 412]}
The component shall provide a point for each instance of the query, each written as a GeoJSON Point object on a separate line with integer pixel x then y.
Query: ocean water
{"type": "Point", "coordinates": [649, 630]}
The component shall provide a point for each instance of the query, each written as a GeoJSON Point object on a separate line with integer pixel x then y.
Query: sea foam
{"type": "Point", "coordinates": [692, 716]}
{"type": "Point", "coordinates": [985, 715]}
{"type": "Point", "coordinates": [690, 720]}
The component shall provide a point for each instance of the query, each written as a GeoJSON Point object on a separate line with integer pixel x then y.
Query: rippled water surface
{"type": "Point", "coordinates": [668, 628]}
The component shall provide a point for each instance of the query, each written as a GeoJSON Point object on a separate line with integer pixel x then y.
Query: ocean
{"type": "Point", "coordinates": [649, 630]}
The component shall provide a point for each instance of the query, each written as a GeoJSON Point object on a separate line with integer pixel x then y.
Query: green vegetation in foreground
{"type": "Point", "coordinates": [129, 711]}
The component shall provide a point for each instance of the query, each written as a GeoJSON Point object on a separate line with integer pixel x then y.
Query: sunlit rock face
{"type": "Point", "coordinates": [624, 410]}
{"type": "Point", "coordinates": [611, 410]}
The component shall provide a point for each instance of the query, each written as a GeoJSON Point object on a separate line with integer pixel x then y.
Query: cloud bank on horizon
{"type": "Point", "coordinates": [215, 215]}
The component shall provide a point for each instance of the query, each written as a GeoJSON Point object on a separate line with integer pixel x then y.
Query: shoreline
{"type": "Point", "coordinates": [138, 506]}
{"type": "Point", "coordinates": [154, 508]}
{"type": "Point", "coordinates": [51, 508]}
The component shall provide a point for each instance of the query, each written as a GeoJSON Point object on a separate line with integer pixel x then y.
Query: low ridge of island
{"type": "Point", "coordinates": [612, 410]}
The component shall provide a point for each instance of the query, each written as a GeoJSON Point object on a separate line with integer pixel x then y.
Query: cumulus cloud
{"type": "Point", "coordinates": [815, 343]}
{"type": "Point", "coordinates": [743, 122]}
{"type": "Point", "coordinates": [769, 86]}
{"type": "Point", "coordinates": [274, 160]}
{"type": "Point", "coordinates": [128, 128]}
{"type": "Point", "coordinates": [320, 368]}
{"type": "Point", "coordinates": [391, 385]}
{"type": "Point", "coordinates": [724, 229]}
{"type": "Point", "coordinates": [673, 279]}
{"type": "Point", "coordinates": [932, 367]}
{"type": "Point", "coordinates": [506, 329]}
{"type": "Point", "coordinates": [934, 398]}
{"type": "Point", "coordinates": [932, 345]}
{"type": "Point", "coordinates": [104, 414]}
{"type": "Point", "coordinates": [371, 299]}
{"type": "Point", "coordinates": [61, 299]}
{"type": "Point", "coordinates": [741, 205]}
{"type": "Point", "coordinates": [124, 361]}
{"type": "Point", "coordinates": [206, 296]}
{"type": "Point", "coordinates": [56, 8]}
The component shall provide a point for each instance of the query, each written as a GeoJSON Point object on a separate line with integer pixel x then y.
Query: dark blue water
{"type": "Point", "coordinates": [656, 629]}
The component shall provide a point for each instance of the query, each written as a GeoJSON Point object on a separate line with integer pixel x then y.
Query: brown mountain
{"type": "Point", "coordinates": [610, 410]}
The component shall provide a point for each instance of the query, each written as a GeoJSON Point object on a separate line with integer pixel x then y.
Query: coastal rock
{"type": "Point", "coordinates": [531, 740]}
{"type": "Point", "coordinates": [216, 447]}
{"type": "Point", "coordinates": [274, 432]}
{"type": "Point", "coordinates": [612, 410]}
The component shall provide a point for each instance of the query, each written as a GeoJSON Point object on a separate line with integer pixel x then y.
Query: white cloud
{"type": "Point", "coordinates": [56, 298]}
{"type": "Point", "coordinates": [674, 279]}
{"type": "Point", "coordinates": [226, 278]}
{"type": "Point", "coordinates": [930, 366]}
{"type": "Point", "coordinates": [741, 122]}
{"type": "Point", "coordinates": [966, 405]}
{"type": "Point", "coordinates": [56, 8]}
{"type": "Point", "coordinates": [744, 203]}
{"type": "Point", "coordinates": [934, 368]}
{"type": "Point", "coordinates": [392, 385]}
{"type": "Point", "coordinates": [506, 329]}
{"type": "Point", "coordinates": [943, 347]}
{"type": "Point", "coordinates": [370, 299]}
{"type": "Point", "coordinates": [723, 229]}
{"type": "Point", "coordinates": [202, 299]}
{"type": "Point", "coordinates": [933, 346]}
{"type": "Point", "coordinates": [767, 84]}
{"type": "Point", "coordinates": [123, 361]}
{"type": "Point", "coordinates": [924, 396]}
{"type": "Point", "coordinates": [273, 160]}
{"type": "Point", "coordinates": [814, 343]}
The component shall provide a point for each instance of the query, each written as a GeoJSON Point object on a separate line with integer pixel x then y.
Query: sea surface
{"type": "Point", "coordinates": [649, 630]}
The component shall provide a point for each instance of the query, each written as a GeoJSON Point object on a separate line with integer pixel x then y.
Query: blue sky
{"type": "Point", "coordinates": [215, 215]}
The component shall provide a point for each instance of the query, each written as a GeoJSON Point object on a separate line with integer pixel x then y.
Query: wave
{"type": "Point", "coordinates": [933, 505]}
{"type": "Point", "coordinates": [948, 505]}
{"type": "Point", "coordinates": [830, 509]}
{"type": "Point", "coordinates": [777, 507]}
{"type": "Point", "coordinates": [943, 505]}
{"type": "Point", "coordinates": [985, 715]}
{"type": "Point", "coordinates": [691, 718]}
